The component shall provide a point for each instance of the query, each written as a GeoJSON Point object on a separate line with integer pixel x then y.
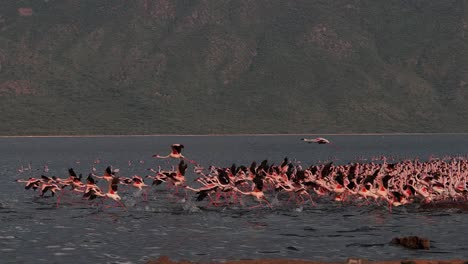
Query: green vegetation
{"type": "Point", "coordinates": [234, 66]}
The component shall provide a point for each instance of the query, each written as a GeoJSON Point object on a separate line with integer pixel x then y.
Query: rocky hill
{"type": "Point", "coordinates": [233, 66]}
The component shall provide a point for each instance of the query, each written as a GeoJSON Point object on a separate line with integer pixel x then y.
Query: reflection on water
{"type": "Point", "coordinates": [35, 231]}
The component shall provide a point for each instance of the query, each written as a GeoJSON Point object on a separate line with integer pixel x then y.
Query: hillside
{"type": "Point", "coordinates": [233, 66]}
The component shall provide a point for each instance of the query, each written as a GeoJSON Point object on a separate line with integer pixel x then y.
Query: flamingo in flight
{"type": "Point", "coordinates": [30, 183]}
{"type": "Point", "coordinates": [176, 153]}
{"type": "Point", "coordinates": [93, 191]}
{"type": "Point", "coordinates": [319, 140]}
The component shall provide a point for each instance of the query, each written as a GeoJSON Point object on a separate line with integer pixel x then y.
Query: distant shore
{"type": "Point", "coordinates": [166, 260]}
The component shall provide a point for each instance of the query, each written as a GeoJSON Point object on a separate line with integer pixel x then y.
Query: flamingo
{"type": "Point", "coordinates": [175, 154]}
{"type": "Point", "coordinates": [398, 184]}
{"type": "Point", "coordinates": [52, 187]}
{"type": "Point", "coordinates": [161, 177]}
{"type": "Point", "coordinates": [175, 177]}
{"type": "Point", "coordinates": [112, 192]}
{"type": "Point", "coordinates": [319, 140]}
{"type": "Point", "coordinates": [30, 183]}
{"type": "Point", "coordinates": [204, 191]}
{"type": "Point", "coordinates": [138, 183]}
{"type": "Point", "coordinates": [93, 191]}
{"type": "Point", "coordinates": [108, 175]}
{"type": "Point", "coordinates": [257, 191]}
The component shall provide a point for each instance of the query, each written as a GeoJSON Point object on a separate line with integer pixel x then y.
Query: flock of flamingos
{"type": "Point", "coordinates": [382, 183]}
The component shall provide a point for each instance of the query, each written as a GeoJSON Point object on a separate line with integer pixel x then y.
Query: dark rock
{"type": "Point", "coordinates": [407, 262]}
{"type": "Point", "coordinates": [167, 260]}
{"type": "Point", "coordinates": [413, 242]}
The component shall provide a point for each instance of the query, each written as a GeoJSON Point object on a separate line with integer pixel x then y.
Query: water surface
{"type": "Point", "coordinates": [35, 231]}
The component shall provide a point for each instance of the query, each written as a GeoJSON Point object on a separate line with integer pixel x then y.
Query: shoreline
{"type": "Point", "coordinates": [167, 260]}
{"type": "Point", "coordinates": [231, 135]}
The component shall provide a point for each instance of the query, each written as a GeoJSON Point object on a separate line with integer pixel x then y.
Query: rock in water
{"type": "Point", "coordinates": [413, 242]}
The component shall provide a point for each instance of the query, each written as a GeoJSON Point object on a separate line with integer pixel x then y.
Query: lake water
{"type": "Point", "coordinates": [33, 230]}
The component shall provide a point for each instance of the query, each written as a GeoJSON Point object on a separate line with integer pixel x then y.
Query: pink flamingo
{"type": "Point", "coordinates": [176, 153]}
{"type": "Point", "coordinates": [319, 140]}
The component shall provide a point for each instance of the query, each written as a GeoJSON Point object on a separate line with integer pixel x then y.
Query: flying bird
{"type": "Point", "coordinates": [319, 140]}
{"type": "Point", "coordinates": [175, 154]}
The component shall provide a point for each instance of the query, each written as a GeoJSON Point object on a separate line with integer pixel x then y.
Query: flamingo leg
{"type": "Point", "coordinates": [58, 201]}
{"type": "Point", "coordinates": [266, 201]}
{"type": "Point", "coordinates": [310, 199]}
{"type": "Point", "coordinates": [211, 201]}
{"type": "Point", "coordinates": [58, 198]}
